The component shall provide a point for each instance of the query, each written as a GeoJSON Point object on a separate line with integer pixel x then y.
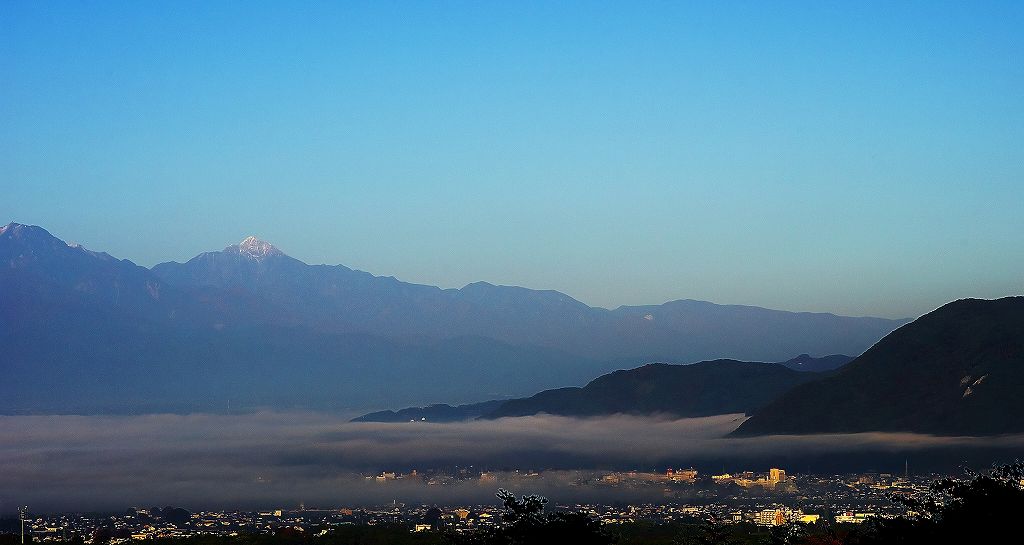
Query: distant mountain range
{"type": "Point", "coordinates": [249, 326]}
{"type": "Point", "coordinates": [339, 299]}
{"type": "Point", "coordinates": [958, 370]}
{"type": "Point", "coordinates": [699, 389]}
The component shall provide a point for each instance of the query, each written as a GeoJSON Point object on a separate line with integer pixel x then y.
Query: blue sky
{"type": "Point", "coordinates": [853, 157]}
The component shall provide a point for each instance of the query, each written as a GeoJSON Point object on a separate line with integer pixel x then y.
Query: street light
{"type": "Point", "coordinates": [21, 515]}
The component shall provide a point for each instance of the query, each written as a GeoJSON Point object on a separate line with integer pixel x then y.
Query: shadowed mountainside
{"type": "Point", "coordinates": [958, 370]}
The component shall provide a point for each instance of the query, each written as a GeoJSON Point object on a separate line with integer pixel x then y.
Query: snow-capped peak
{"type": "Point", "coordinates": [13, 227]}
{"type": "Point", "coordinates": [257, 249]}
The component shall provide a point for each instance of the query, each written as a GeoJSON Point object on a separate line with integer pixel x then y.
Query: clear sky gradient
{"type": "Point", "coordinates": [851, 157]}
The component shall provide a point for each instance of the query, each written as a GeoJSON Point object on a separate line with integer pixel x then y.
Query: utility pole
{"type": "Point", "coordinates": [21, 515]}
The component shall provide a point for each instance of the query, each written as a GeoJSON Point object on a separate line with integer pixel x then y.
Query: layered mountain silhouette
{"type": "Point", "coordinates": [700, 389]}
{"type": "Point", "coordinates": [958, 370]}
{"type": "Point", "coordinates": [249, 326]}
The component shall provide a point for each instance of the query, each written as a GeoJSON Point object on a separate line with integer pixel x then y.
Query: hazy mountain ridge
{"type": "Point", "coordinates": [440, 412]}
{"type": "Point", "coordinates": [249, 326]}
{"type": "Point", "coordinates": [87, 333]}
{"type": "Point", "coordinates": [339, 299]}
{"type": "Point", "coordinates": [958, 370]}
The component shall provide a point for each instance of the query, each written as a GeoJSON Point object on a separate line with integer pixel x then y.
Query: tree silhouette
{"type": "Point", "coordinates": [710, 532]}
{"type": "Point", "coordinates": [525, 522]}
{"type": "Point", "coordinates": [983, 508]}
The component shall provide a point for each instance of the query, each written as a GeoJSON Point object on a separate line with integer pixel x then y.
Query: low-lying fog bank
{"type": "Point", "coordinates": [280, 459]}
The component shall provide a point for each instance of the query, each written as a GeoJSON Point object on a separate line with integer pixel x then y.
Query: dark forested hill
{"type": "Point", "coordinates": [958, 370]}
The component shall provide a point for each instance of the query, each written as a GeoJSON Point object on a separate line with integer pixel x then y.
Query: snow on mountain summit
{"type": "Point", "coordinates": [257, 249]}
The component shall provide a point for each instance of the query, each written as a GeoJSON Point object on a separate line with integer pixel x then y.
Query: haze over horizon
{"type": "Point", "coordinates": [837, 158]}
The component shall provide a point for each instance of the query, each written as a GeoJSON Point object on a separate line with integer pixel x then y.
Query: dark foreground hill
{"type": "Point", "coordinates": [700, 389]}
{"type": "Point", "coordinates": [958, 370]}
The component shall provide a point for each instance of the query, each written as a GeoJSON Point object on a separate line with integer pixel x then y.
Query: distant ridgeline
{"type": "Point", "coordinates": [250, 327]}
{"type": "Point", "coordinates": [439, 412]}
{"type": "Point", "coordinates": [700, 389]}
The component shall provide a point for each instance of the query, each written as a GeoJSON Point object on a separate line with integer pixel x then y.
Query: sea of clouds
{"type": "Point", "coordinates": [274, 459]}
